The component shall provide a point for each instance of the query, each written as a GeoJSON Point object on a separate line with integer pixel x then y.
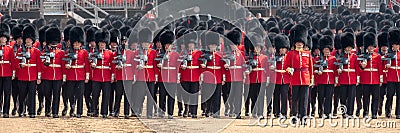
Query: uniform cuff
{"type": "Point", "coordinates": [39, 75]}
{"type": "Point", "coordinates": [87, 76]}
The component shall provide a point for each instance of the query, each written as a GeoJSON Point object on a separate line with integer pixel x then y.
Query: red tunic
{"type": "Point", "coordinates": [104, 68]}
{"type": "Point", "coordinates": [259, 74]}
{"type": "Point", "coordinates": [236, 68]}
{"type": "Point", "coordinates": [55, 70]}
{"type": "Point", "coordinates": [350, 71]}
{"type": "Point", "coordinates": [79, 67]}
{"type": "Point", "coordinates": [30, 72]}
{"type": "Point", "coordinates": [7, 61]}
{"type": "Point", "coordinates": [192, 72]}
{"type": "Point", "coordinates": [302, 64]}
{"type": "Point", "coordinates": [372, 72]}
{"type": "Point", "coordinates": [170, 68]}
{"type": "Point", "coordinates": [127, 71]}
{"type": "Point", "coordinates": [393, 74]}
{"type": "Point", "coordinates": [148, 73]}
{"type": "Point", "coordinates": [329, 73]}
{"type": "Point", "coordinates": [213, 72]}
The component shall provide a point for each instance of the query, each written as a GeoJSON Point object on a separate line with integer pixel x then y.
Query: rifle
{"type": "Point", "coordinates": [25, 55]}
{"type": "Point", "coordinates": [120, 59]}
{"type": "Point", "coordinates": [71, 56]}
{"type": "Point", "coordinates": [228, 58]}
{"type": "Point", "coordinates": [251, 63]}
{"type": "Point", "coordinates": [141, 58]}
{"type": "Point", "coordinates": [96, 55]}
{"type": "Point", "coordinates": [389, 57]}
{"type": "Point", "coordinates": [206, 56]}
{"type": "Point", "coordinates": [47, 56]}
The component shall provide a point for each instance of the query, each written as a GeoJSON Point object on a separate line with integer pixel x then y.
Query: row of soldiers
{"type": "Point", "coordinates": [254, 58]}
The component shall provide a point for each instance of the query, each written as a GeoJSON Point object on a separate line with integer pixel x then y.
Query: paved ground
{"type": "Point", "coordinates": [179, 124]}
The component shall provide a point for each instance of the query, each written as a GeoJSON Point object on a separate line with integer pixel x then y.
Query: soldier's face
{"type": "Point", "coordinates": [92, 44]}
{"type": "Point", "coordinates": [183, 46]}
{"type": "Point", "coordinates": [348, 49]}
{"type": "Point", "coordinates": [233, 47]}
{"type": "Point", "coordinates": [317, 52]}
{"type": "Point", "coordinates": [212, 47]}
{"type": "Point", "coordinates": [28, 42]}
{"type": "Point", "coordinates": [167, 47]}
{"type": "Point", "coordinates": [370, 48]}
{"type": "Point", "coordinates": [19, 40]}
{"type": "Point", "coordinates": [3, 40]}
{"type": "Point", "coordinates": [282, 51]}
{"type": "Point", "coordinates": [191, 46]}
{"type": "Point", "coordinates": [113, 45]}
{"type": "Point", "coordinates": [327, 51]}
{"type": "Point", "coordinates": [257, 49]}
{"type": "Point", "coordinates": [159, 46]}
{"type": "Point", "coordinates": [134, 45]}
{"type": "Point", "coordinates": [102, 45]}
{"type": "Point", "coordinates": [396, 47]}
{"type": "Point", "coordinates": [145, 45]}
{"type": "Point", "coordinates": [299, 45]}
{"type": "Point", "coordinates": [385, 49]}
{"type": "Point", "coordinates": [77, 45]}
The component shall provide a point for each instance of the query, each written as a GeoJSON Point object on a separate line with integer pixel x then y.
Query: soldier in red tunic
{"type": "Point", "coordinates": [326, 75]}
{"type": "Point", "coordinates": [91, 45]}
{"type": "Point", "coordinates": [348, 70]}
{"type": "Point", "coordinates": [393, 77]}
{"type": "Point", "coordinates": [103, 74]}
{"type": "Point", "coordinates": [7, 60]}
{"type": "Point", "coordinates": [145, 76]}
{"type": "Point", "coordinates": [299, 64]}
{"type": "Point", "coordinates": [257, 66]}
{"type": "Point", "coordinates": [65, 96]}
{"type": "Point", "coordinates": [16, 33]}
{"type": "Point", "coordinates": [190, 72]}
{"type": "Point", "coordinates": [29, 71]}
{"type": "Point", "coordinates": [77, 68]}
{"type": "Point", "coordinates": [383, 44]}
{"type": "Point", "coordinates": [234, 74]}
{"type": "Point", "coordinates": [40, 88]}
{"type": "Point", "coordinates": [282, 78]}
{"type": "Point", "coordinates": [212, 66]}
{"type": "Point", "coordinates": [169, 67]}
{"type": "Point", "coordinates": [52, 69]}
{"type": "Point", "coordinates": [371, 74]}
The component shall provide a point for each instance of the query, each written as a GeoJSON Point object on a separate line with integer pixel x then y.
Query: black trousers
{"type": "Point", "coordinates": [211, 97]}
{"type": "Point", "coordinates": [142, 89]}
{"type": "Point", "coordinates": [27, 89]}
{"type": "Point", "coordinates": [368, 91]}
{"type": "Point", "coordinates": [119, 91]}
{"type": "Point", "coordinates": [128, 94]}
{"type": "Point", "coordinates": [235, 97]}
{"type": "Point", "coordinates": [299, 100]}
{"type": "Point", "coordinates": [167, 90]}
{"type": "Point", "coordinates": [179, 96]}
{"type": "Point", "coordinates": [226, 89]}
{"type": "Point", "coordinates": [77, 89]}
{"type": "Point", "coordinates": [313, 100]}
{"type": "Point", "coordinates": [246, 98]}
{"type": "Point", "coordinates": [14, 93]}
{"type": "Point", "coordinates": [281, 99]}
{"type": "Point", "coordinates": [52, 90]}
{"type": "Point", "coordinates": [66, 96]}
{"type": "Point", "coordinates": [192, 99]}
{"type": "Point", "coordinates": [257, 94]}
{"type": "Point", "coordinates": [5, 88]}
{"type": "Point", "coordinates": [88, 96]}
{"type": "Point", "coordinates": [382, 93]}
{"type": "Point", "coordinates": [336, 99]}
{"type": "Point", "coordinates": [104, 88]}
{"type": "Point", "coordinates": [347, 97]}
{"type": "Point", "coordinates": [325, 97]}
{"type": "Point", "coordinates": [112, 97]}
{"type": "Point", "coordinates": [41, 95]}
{"type": "Point", "coordinates": [359, 97]}
{"type": "Point", "coordinates": [392, 89]}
